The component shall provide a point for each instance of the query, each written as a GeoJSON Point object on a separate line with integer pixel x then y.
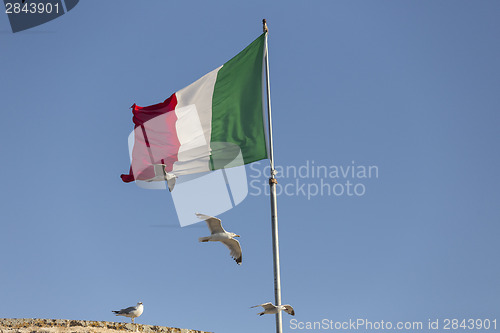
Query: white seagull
{"type": "Point", "coordinates": [270, 308]}
{"type": "Point", "coordinates": [218, 234]}
{"type": "Point", "coordinates": [131, 312]}
{"type": "Point", "coordinates": [161, 175]}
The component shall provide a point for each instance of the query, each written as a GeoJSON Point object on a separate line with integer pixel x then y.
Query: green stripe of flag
{"type": "Point", "coordinates": [237, 108]}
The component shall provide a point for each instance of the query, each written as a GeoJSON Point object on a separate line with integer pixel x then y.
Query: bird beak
{"type": "Point", "coordinates": [237, 236]}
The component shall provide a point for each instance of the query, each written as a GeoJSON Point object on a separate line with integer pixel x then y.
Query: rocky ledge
{"type": "Point", "coordinates": [35, 325]}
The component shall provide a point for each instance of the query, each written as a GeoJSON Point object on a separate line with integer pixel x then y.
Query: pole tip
{"type": "Point", "coordinates": [264, 25]}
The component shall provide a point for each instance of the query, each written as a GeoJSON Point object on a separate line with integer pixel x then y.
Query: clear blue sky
{"type": "Point", "coordinates": [411, 87]}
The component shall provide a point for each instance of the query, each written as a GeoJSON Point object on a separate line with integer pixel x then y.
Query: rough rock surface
{"type": "Point", "coordinates": [36, 325]}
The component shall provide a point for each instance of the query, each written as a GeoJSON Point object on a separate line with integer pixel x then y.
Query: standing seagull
{"type": "Point", "coordinates": [218, 234]}
{"type": "Point", "coordinates": [269, 308]}
{"type": "Point", "coordinates": [131, 312]}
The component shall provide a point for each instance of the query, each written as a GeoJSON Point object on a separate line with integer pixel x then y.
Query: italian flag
{"type": "Point", "coordinates": [216, 122]}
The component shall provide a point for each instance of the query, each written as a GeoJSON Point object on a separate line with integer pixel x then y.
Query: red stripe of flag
{"type": "Point", "coordinates": [156, 140]}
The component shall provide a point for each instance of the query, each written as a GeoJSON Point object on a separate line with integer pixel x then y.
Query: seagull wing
{"type": "Point", "coordinates": [170, 181]}
{"type": "Point", "coordinates": [288, 309]}
{"type": "Point", "coordinates": [266, 306]}
{"type": "Point", "coordinates": [234, 246]}
{"type": "Point", "coordinates": [127, 310]}
{"type": "Point", "coordinates": [214, 224]}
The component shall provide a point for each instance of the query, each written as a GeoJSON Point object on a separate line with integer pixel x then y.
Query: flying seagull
{"type": "Point", "coordinates": [161, 175]}
{"type": "Point", "coordinates": [131, 312]}
{"type": "Point", "coordinates": [269, 308]}
{"type": "Point", "coordinates": [218, 234]}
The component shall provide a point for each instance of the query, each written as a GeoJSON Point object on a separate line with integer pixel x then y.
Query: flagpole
{"type": "Point", "coordinates": [274, 204]}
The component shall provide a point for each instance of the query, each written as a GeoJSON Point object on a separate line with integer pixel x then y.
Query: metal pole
{"type": "Point", "coordinates": [274, 205]}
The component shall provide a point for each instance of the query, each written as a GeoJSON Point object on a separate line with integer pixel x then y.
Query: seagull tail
{"type": "Point", "coordinates": [203, 239]}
